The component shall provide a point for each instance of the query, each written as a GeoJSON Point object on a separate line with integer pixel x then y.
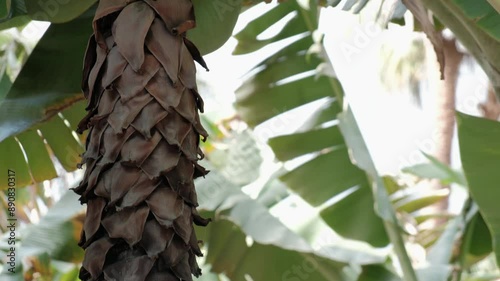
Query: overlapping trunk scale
{"type": "Point", "coordinates": [142, 149]}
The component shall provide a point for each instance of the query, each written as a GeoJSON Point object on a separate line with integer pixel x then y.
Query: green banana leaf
{"type": "Point", "coordinates": [30, 113]}
{"type": "Point", "coordinates": [436, 170]}
{"type": "Point", "coordinates": [56, 58]}
{"type": "Point", "coordinates": [480, 153]}
{"type": "Point", "coordinates": [215, 19]}
{"type": "Point", "coordinates": [34, 110]}
{"type": "Point", "coordinates": [483, 14]}
{"type": "Point", "coordinates": [239, 218]}
{"type": "Point", "coordinates": [54, 238]}
{"type": "Point", "coordinates": [262, 97]}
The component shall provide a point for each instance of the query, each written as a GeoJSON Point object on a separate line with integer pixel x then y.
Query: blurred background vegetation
{"type": "Point", "coordinates": [294, 191]}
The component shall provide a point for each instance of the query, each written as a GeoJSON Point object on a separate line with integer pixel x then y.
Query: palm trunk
{"type": "Point", "coordinates": [142, 150]}
{"type": "Point", "coordinates": [445, 110]}
{"type": "Point", "coordinates": [491, 107]}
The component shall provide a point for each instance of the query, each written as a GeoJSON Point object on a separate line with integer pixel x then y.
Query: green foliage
{"type": "Point", "coordinates": [215, 21]}
{"type": "Point", "coordinates": [377, 273]}
{"type": "Point", "coordinates": [383, 206]}
{"type": "Point", "coordinates": [37, 119]}
{"type": "Point", "coordinates": [483, 14]}
{"type": "Point", "coordinates": [56, 11]}
{"type": "Point", "coordinates": [480, 150]}
{"type": "Point", "coordinates": [12, 13]}
{"type": "Point", "coordinates": [42, 142]}
{"type": "Point", "coordinates": [30, 107]}
{"type": "Point", "coordinates": [31, 99]}
{"type": "Point", "coordinates": [238, 216]}
{"type": "Point", "coordinates": [53, 239]}
{"type": "Point", "coordinates": [480, 39]}
{"type": "Point", "coordinates": [480, 242]}
{"type": "Point", "coordinates": [262, 96]}
{"type": "Point", "coordinates": [5, 9]}
{"type": "Point", "coordinates": [12, 150]}
{"type": "Point", "coordinates": [436, 170]}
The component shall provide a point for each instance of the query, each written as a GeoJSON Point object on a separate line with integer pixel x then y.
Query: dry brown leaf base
{"type": "Point", "coordinates": [142, 150]}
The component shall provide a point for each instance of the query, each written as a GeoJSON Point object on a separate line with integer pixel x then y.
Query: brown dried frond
{"type": "Point", "coordinates": [142, 150]}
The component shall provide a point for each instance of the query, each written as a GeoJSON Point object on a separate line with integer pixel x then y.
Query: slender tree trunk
{"type": "Point", "coordinates": [491, 107]}
{"type": "Point", "coordinates": [141, 155]}
{"type": "Point", "coordinates": [445, 109]}
{"type": "Point", "coordinates": [445, 102]}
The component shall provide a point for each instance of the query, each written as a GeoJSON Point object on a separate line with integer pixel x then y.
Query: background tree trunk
{"type": "Point", "coordinates": [491, 107]}
{"type": "Point", "coordinates": [445, 112]}
{"type": "Point", "coordinates": [445, 101]}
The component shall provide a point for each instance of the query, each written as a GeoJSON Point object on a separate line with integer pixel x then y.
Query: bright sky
{"type": "Point", "coordinates": [394, 128]}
